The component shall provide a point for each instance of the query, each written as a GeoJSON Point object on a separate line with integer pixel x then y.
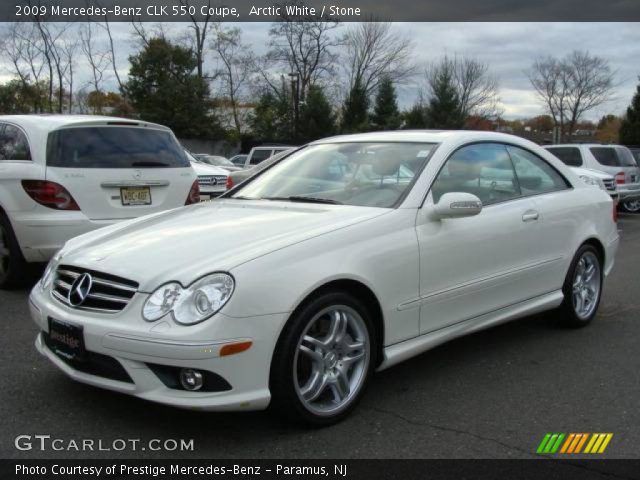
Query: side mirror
{"type": "Point", "coordinates": [457, 205]}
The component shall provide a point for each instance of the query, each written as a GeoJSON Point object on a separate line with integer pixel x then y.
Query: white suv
{"type": "Point", "coordinates": [64, 175]}
{"type": "Point", "coordinates": [614, 160]}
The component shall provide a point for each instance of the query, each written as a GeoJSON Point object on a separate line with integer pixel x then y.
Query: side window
{"type": "Point", "coordinates": [260, 155]}
{"type": "Point", "coordinates": [568, 155]}
{"type": "Point", "coordinates": [483, 169]}
{"type": "Point", "coordinates": [13, 144]}
{"type": "Point", "coordinates": [535, 176]}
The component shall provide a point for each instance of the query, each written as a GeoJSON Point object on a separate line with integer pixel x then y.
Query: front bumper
{"type": "Point", "coordinates": [138, 345]}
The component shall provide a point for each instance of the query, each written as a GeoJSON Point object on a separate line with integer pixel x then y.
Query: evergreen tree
{"type": "Point", "coordinates": [630, 128]}
{"type": "Point", "coordinates": [355, 112]}
{"type": "Point", "coordinates": [415, 117]}
{"type": "Point", "coordinates": [316, 116]}
{"type": "Point", "coordinates": [443, 110]}
{"type": "Point", "coordinates": [270, 118]}
{"type": "Point", "coordinates": [386, 115]}
{"type": "Point", "coordinates": [164, 88]}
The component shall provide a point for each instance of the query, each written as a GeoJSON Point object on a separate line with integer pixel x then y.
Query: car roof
{"type": "Point", "coordinates": [418, 136]}
{"type": "Point", "coordinates": [50, 122]}
{"type": "Point", "coordinates": [589, 145]}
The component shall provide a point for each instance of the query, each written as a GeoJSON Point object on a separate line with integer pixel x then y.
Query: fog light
{"type": "Point", "coordinates": [191, 379]}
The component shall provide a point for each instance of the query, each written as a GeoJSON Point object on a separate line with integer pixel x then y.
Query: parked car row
{"type": "Point", "coordinates": [615, 160]}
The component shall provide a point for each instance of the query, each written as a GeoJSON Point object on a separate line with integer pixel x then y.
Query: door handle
{"type": "Point", "coordinates": [530, 216]}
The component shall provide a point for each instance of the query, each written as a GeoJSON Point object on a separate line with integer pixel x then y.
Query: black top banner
{"type": "Point", "coordinates": [341, 10]}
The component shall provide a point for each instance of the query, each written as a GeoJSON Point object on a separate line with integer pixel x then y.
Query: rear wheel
{"type": "Point", "coordinates": [323, 360]}
{"type": "Point", "coordinates": [631, 206]}
{"type": "Point", "coordinates": [582, 288]}
{"type": "Point", "coordinates": [12, 263]}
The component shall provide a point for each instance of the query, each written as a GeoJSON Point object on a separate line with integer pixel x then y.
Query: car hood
{"type": "Point", "coordinates": [186, 243]}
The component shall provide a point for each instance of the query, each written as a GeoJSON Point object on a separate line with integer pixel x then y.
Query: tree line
{"type": "Point", "coordinates": [317, 78]}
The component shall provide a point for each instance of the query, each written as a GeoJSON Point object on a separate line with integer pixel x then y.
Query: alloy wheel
{"type": "Point", "coordinates": [586, 285]}
{"type": "Point", "coordinates": [331, 360]}
{"type": "Point", "coordinates": [632, 206]}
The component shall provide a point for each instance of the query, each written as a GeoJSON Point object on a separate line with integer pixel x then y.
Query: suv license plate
{"type": "Point", "coordinates": [135, 196]}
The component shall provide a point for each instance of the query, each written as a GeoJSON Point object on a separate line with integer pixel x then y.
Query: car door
{"type": "Point", "coordinates": [556, 206]}
{"type": "Point", "coordinates": [475, 265]}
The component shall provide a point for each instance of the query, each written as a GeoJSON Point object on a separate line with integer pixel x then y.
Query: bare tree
{"type": "Point", "coordinates": [571, 86]}
{"type": "Point", "coordinates": [374, 51]}
{"type": "Point", "coordinates": [200, 31]}
{"type": "Point", "coordinates": [236, 64]}
{"type": "Point", "coordinates": [475, 86]}
{"type": "Point", "coordinates": [303, 45]}
{"type": "Point", "coordinates": [69, 51]}
{"type": "Point", "coordinates": [97, 59]}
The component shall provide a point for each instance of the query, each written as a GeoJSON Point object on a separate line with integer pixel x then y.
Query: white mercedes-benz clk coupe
{"type": "Point", "coordinates": [347, 256]}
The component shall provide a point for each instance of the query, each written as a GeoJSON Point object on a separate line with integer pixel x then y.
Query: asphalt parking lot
{"type": "Point", "coordinates": [490, 395]}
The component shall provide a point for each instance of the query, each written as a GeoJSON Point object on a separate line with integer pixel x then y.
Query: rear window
{"type": "Point", "coordinates": [114, 147]}
{"type": "Point", "coordinates": [259, 156]}
{"type": "Point", "coordinates": [613, 157]}
{"type": "Point", "coordinates": [568, 155]}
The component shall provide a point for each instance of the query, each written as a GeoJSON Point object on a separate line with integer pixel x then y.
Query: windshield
{"type": "Point", "coordinates": [114, 147]}
{"type": "Point", "coordinates": [363, 174]}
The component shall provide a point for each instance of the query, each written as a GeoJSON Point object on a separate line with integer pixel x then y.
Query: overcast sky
{"type": "Point", "coordinates": [508, 48]}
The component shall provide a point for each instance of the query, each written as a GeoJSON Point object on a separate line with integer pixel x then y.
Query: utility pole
{"type": "Point", "coordinates": [295, 99]}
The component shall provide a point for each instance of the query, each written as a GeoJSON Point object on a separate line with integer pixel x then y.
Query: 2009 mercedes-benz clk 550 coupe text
{"type": "Point", "coordinates": [348, 255]}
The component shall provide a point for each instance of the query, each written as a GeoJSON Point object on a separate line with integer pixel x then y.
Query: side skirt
{"type": "Point", "coordinates": [399, 352]}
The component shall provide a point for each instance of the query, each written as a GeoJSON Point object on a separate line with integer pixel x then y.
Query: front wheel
{"type": "Point", "coordinates": [323, 360]}
{"type": "Point", "coordinates": [631, 206]}
{"type": "Point", "coordinates": [582, 288]}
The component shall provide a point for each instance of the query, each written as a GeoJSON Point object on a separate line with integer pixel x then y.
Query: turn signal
{"type": "Point", "coordinates": [50, 194]}
{"type": "Point", "coordinates": [194, 194]}
{"type": "Point", "coordinates": [233, 348]}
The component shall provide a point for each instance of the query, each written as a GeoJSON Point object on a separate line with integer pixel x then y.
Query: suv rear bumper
{"type": "Point", "coordinates": [629, 191]}
{"type": "Point", "coordinates": [41, 235]}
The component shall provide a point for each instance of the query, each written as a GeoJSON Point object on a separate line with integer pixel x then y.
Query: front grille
{"type": "Point", "coordinates": [610, 184]}
{"type": "Point", "coordinates": [92, 363]}
{"type": "Point", "coordinates": [108, 293]}
{"type": "Point", "coordinates": [211, 180]}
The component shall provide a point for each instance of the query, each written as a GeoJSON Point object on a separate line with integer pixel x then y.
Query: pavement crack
{"type": "Point", "coordinates": [452, 430]}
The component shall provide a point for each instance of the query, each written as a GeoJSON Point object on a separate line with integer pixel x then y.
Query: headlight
{"type": "Point", "coordinates": [188, 306]}
{"type": "Point", "coordinates": [596, 182]}
{"type": "Point", "coordinates": [48, 274]}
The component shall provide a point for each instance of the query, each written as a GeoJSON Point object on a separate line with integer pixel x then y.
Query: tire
{"type": "Point", "coordinates": [13, 268]}
{"type": "Point", "coordinates": [582, 290]}
{"type": "Point", "coordinates": [324, 360]}
{"type": "Point", "coordinates": [631, 206]}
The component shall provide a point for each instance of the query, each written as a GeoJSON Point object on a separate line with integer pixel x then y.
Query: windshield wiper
{"type": "Point", "coordinates": [303, 199]}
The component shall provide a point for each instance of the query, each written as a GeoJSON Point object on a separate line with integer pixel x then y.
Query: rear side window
{"type": "Point", "coordinates": [259, 156]}
{"type": "Point", "coordinates": [13, 144]}
{"type": "Point", "coordinates": [535, 176]}
{"type": "Point", "coordinates": [114, 147]}
{"type": "Point", "coordinates": [569, 155]}
{"type": "Point", "coordinates": [613, 157]}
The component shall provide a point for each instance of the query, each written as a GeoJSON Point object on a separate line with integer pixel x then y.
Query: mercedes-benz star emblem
{"type": "Point", "coordinates": [137, 174]}
{"type": "Point", "coordinates": [79, 290]}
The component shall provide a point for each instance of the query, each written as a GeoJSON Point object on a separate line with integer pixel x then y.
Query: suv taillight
{"type": "Point", "coordinates": [229, 183]}
{"type": "Point", "coordinates": [50, 194]}
{"type": "Point", "coordinates": [194, 194]}
{"type": "Point", "coordinates": [620, 178]}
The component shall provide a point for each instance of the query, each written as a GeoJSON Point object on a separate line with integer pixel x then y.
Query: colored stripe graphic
{"type": "Point", "coordinates": [573, 443]}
